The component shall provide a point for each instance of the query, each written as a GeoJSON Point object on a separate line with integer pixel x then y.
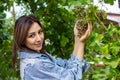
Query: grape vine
{"type": "Point", "coordinates": [87, 14]}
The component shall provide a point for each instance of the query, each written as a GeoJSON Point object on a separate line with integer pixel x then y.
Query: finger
{"type": "Point", "coordinates": [90, 26]}
{"type": "Point", "coordinates": [75, 31]}
{"type": "Point", "coordinates": [87, 33]}
{"type": "Point", "coordinates": [85, 36]}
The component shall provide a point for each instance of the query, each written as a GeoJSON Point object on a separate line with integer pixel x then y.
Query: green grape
{"type": "Point", "coordinates": [89, 14]}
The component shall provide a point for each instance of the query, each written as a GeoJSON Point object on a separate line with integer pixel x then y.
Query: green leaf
{"type": "Point", "coordinates": [104, 50]}
{"type": "Point", "coordinates": [115, 50]}
{"type": "Point", "coordinates": [112, 30]}
{"type": "Point", "coordinates": [113, 62]}
{"type": "Point", "coordinates": [64, 41]}
{"type": "Point", "coordinates": [109, 1]}
{"type": "Point", "coordinates": [97, 38]}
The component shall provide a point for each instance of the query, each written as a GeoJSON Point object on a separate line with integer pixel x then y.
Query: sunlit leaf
{"type": "Point", "coordinates": [104, 50]}
{"type": "Point", "coordinates": [113, 62]}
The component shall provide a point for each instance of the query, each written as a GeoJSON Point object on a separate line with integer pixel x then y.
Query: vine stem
{"type": "Point", "coordinates": [100, 21]}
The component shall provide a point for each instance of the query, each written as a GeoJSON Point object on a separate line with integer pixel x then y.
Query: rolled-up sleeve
{"type": "Point", "coordinates": [47, 70]}
{"type": "Point", "coordinates": [74, 60]}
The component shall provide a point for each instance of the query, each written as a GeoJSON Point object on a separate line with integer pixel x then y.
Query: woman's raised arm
{"type": "Point", "coordinates": [80, 41]}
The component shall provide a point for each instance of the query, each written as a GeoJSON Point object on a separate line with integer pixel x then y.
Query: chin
{"type": "Point", "coordinates": [38, 49]}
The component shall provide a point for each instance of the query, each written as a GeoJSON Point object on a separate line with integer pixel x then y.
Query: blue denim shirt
{"type": "Point", "coordinates": [34, 66]}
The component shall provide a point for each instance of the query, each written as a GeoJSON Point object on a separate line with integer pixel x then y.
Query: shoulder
{"type": "Point", "coordinates": [33, 59]}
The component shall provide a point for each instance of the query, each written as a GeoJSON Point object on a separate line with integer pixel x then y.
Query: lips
{"type": "Point", "coordinates": [38, 45]}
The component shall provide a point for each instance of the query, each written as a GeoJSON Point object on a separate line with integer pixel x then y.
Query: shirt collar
{"type": "Point", "coordinates": [29, 55]}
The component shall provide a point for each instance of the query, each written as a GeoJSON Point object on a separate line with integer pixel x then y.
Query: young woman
{"type": "Point", "coordinates": [36, 63]}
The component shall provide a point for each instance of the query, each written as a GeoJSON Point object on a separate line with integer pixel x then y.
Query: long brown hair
{"type": "Point", "coordinates": [22, 25]}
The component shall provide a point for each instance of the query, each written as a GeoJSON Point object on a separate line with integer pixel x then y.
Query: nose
{"type": "Point", "coordinates": [38, 38]}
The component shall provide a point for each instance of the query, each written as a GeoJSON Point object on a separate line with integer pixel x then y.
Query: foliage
{"type": "Point", "coordinates": [58, 18]}
{"type": "Point", "coordinates": [107, 46]}
{"type": "Point", "coordinates": [6, 30]}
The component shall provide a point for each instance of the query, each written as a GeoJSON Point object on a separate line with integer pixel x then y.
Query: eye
{"type": "Point", "coordinates": [31, 36]}
{"type": "Point", "coordinates": [40, 32]}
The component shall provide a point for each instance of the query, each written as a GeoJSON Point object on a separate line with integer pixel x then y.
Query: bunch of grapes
{"type": "Point", "coordinates": [89, 14]}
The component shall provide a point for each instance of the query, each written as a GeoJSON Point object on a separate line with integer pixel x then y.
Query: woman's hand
{"type": "Point", "coordinates": [80, 41]}
{"type": "Point", "coordinates": [85, 36]}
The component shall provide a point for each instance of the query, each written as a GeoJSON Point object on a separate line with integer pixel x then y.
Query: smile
{"type": "Point", "coordinates": [38, 45]}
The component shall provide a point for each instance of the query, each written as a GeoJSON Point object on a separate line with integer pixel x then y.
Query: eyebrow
{"type": "Point", "coordinates": [31, 33]}
{"type": "Point", "coordinates": [34, 32]}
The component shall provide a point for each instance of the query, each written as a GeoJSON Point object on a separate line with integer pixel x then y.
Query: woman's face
{"type": "Point", "coordinates": [35, 37]}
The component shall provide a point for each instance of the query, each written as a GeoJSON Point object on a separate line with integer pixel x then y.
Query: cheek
{"type": "Point", "coordinates": [29, 42]}
{"type": "Point", "coordinates": [42, 37]}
